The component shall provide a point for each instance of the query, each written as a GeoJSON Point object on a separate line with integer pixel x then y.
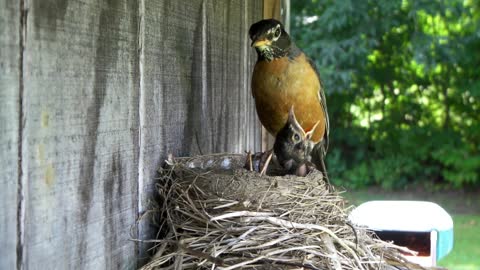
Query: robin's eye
{"type": "Point", "coordinates": [296, 137]}
{"type": "Point", "coordinates": [277, 33]}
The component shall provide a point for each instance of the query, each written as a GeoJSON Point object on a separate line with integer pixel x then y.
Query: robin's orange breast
{"type": "Point", "coordinates": [281, 83]}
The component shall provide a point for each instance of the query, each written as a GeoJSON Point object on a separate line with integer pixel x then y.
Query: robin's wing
{"type": "Point", "coordinates": [323, 103]}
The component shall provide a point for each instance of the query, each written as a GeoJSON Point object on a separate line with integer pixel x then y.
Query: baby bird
{"type": "Point", "coordinates": [293, 146]}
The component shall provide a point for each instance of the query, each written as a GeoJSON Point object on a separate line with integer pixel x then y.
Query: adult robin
{"type": "Point", "coordinates": [293, 146]}
{"type": "Point", "coordinates": [283, 77]}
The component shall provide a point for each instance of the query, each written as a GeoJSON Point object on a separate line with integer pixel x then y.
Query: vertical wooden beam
{"type": "Point", "coordinates": [272, 9]}
{"type": "Point", "coordinates": [286, 14]}
{"type": "Point", "coordinates": [10, 130]}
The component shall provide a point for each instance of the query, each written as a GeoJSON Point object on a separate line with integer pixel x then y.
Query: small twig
{"type": "Point", "coordinates": [304, 248]}
{"type": "Point", "coordinates": [267, 162]}
{"type": "Point", "coordinates": [243, 263]}
{"type": "Point", "coordinates": [354, 232]}
{"type": "Point", "coordinates": [264, 195]}
{"type": "Point", "coordinates": [202, 255]}
{"type": "Point", "coordinates": [267, 244]}
{"type": "Point", "coordinates": [333, 252]}
{"type": "Point", "coordinates": [242, 214]}
{"type": "Point", "coordinates": [241, 237]}
{"type": "Point", "coordinates": [299, 265]}
{"type": "Point", "coordinates": [178, 265]}
{"type": "Point", "coordinates": [226, 205]}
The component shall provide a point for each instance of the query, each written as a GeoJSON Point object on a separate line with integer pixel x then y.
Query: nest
{"type": "Point", "coordinates": [216, 215]}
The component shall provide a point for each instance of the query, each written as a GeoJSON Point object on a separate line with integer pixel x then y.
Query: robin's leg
{"type": "Point", "coordinates": [318, 158]}
{"type": "Point", "coordinates": [249, 162]}
{"type": "Point", "coordinates": [268, 154]}
{"type": "Point", "coordinates": [323, 169]}
{"type": "Point", "coordinates": [256, 161]}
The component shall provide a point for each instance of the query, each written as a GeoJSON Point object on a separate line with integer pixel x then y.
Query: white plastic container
{"type": "Point", "coordinates": [424, 227]}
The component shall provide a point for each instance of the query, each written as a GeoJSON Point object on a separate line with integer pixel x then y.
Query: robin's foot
{"type": "Point", "coordinates": [258, 161]}
{"type": "Point", "coordinates": [249, 162]}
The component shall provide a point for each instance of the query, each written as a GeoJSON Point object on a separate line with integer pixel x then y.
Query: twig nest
{"type": "Point", "coordinates": [217, 215]}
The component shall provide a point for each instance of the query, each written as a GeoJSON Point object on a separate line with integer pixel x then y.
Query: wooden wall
{"type": "Point", "coordinates": [93, 96]}
{"type": "Point", "coordinates": [9, 131]}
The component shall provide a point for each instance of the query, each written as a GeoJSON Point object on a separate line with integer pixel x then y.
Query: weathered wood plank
{"type": "Point", "coordinates": [9, 129]}
{"type": "Point", "coordinates": [80, 149]}
{"type": "Point", "coordinates": [196, 94]}
{"type": "Point", "coordinates": [272, 9]}
{"type": "Point", "coordinates": [80, 144]}
{"type": "Point", "coordinates": [230, 115]}
{"type": "Point", "coordinates": [167, 32]}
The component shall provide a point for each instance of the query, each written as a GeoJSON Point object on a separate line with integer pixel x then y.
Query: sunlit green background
{"type": "Point", "coordinates": [403, 89]}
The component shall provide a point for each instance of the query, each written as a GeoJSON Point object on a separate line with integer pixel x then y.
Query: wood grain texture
{"type": "Point", "coordinates": [80, 149]}
{"type": "Point", "coordinates": [9, 129]}
{"type": "Point", "coordinates": [272, 9]}
{"type": "Point", "coordinates": [109, 89]}
{"type": "Point", "coordinates": [196, 95]}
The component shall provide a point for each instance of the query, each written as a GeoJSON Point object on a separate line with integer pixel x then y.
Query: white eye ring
{"type": "Point", "coordinates": [277, 32]}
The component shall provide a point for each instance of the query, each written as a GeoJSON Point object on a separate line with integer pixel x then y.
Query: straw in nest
{"type": "Point", "coordinates": [217, 215]}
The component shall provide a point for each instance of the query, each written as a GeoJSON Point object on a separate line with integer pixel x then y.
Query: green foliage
{"type": "Point", "coordinates": [403, 88]}
{"type": "Point", "coordinates": [459, 166]}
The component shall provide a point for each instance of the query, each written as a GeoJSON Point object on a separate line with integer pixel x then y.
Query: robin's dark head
{"type": "Point", "coordinates": [270, 39]}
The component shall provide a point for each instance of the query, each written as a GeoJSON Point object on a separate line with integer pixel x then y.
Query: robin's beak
{"type": "Point", "coordinates": [261, 43]}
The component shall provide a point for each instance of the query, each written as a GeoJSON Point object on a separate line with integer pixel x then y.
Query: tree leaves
{"type": "Point", "coordinates": [409, 71]}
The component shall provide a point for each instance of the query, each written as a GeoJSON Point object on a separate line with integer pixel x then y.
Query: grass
{"type": "Point", "coordinates": [466, 247]}
{"type": "Point", "coordinates": [465, 211]}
